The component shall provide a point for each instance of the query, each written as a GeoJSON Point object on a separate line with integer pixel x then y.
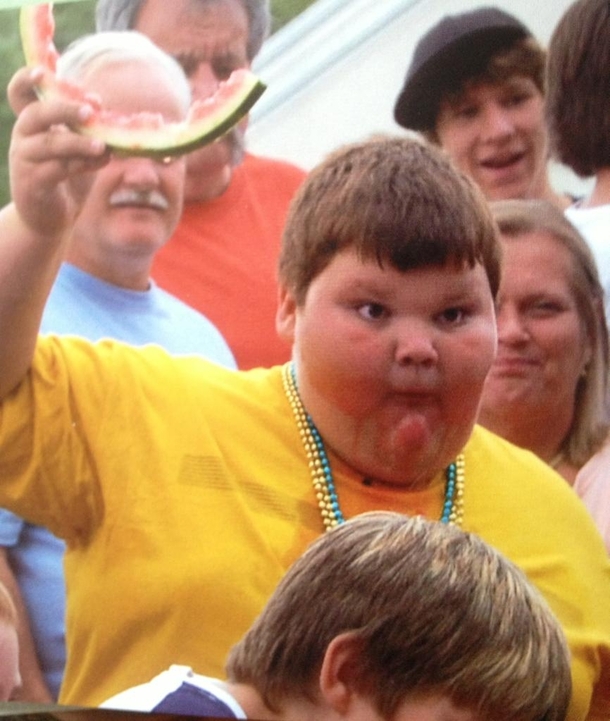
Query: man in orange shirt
{"type": "Point", "coordinates": [222, 257]}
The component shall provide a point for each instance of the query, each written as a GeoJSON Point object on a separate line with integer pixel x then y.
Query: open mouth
{"type": "Point", "coordinates": [502, 162]}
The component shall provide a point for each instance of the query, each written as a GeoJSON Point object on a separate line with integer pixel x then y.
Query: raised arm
{"type": "Point", "coordinates": [48, 166]}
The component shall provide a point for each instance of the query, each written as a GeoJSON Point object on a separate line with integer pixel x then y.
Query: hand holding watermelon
{"type": "Point", "coordinates": [49, 178]}
{"type": "Point", "coordinates": [48, 161]}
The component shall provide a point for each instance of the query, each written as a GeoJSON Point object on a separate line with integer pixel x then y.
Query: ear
{"type": "Point", "coordinates": [285, 319]}
{"type": "Point", "coordinates": [340, 672]}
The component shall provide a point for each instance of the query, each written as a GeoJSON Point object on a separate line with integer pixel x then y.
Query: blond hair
{"type": "Point", "coordinates": [435, 609]}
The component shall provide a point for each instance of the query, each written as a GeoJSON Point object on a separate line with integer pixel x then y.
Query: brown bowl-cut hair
{"type": "Point", "coordinates": [398, 201]}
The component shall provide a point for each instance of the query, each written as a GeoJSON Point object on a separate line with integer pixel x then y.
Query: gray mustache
{"type": "Point", "coordinates": [141, 198]}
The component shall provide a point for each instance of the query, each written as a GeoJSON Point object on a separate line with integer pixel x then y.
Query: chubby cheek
{"type": "Point", "coordinates": [469, 367]}
{"type": "Point", "coordinates": [566, 354]}
{"type": "Point", "coordinates": [460, 144]}
{"type": "Point", "coordinates": [344, 364]}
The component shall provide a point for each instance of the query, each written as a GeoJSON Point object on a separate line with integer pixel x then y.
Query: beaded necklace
{"type": "Point", "coordinates": [321, 472]}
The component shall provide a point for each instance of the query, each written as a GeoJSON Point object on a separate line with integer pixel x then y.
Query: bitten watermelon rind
{"type": "Point", "coordinates": [129, 135]}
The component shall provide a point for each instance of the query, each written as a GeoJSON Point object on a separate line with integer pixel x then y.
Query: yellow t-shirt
{"type": "Point", "coordinates": [184, 493]}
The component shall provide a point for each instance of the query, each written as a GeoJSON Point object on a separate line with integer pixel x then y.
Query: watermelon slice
{"type": "Point", "coordinates": [145, 134]}
{"type": "Point", "coordinates": [37, 27]}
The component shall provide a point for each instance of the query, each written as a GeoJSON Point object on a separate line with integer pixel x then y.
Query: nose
{"type": "Point", "coordinates": [204, 81]}
{"type": "Point", "coordinates": [497, 122]}
{"type": "Point", "coordinates": [141, 172]}
{"type": "Point", "coordinates": [414, 345]}
{"type": "Point", "coordinates": [511, 326]}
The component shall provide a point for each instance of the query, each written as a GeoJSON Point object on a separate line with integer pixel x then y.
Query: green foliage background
{"type": "Point", "coordinates": [73, 20]}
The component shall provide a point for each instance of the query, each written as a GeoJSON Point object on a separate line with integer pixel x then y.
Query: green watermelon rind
{"type": "Point", "coordinates": [179, 138]}
{"type": "Point", "coordinates": [169, 140]}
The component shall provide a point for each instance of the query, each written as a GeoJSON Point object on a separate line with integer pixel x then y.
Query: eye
{"type": "Point", "coordinates": [466, 111]}
{"type": "Point", "coordinates": [545, 308]}
{"type": "Point", "coordinates": [455, 315]}
{"type": "Point", "coordinates": [516, 99]}
{"type": "Point", "coordinates": [373, 311]}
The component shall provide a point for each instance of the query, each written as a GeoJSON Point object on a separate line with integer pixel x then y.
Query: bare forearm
{"type": "Point", "coordinates": [28, 266]}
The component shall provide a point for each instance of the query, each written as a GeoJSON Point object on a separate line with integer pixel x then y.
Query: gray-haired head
{"type": "Point", "coordinates": [122, 15]}
{"type": "Point", "coordinates": [107, 48]}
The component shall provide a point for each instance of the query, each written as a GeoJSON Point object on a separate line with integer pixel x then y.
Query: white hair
{"type": "Point", "coordinates": [106, 48]}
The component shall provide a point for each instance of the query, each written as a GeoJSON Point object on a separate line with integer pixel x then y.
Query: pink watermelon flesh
{"type": "Point", "coordinates": [37, 27]}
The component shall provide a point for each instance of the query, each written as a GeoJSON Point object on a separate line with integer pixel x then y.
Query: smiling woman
{"type": "Point", "coordinates": [547, 389]}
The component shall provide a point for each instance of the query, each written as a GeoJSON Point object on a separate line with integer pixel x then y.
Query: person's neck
{"type": "Point", "coordinates": [600, 195]}
{"type": "Point", "coordinates": [198, 191]}
{"type": "Point", "coordinates": [547, 192]}
{"type": "Point", "coordinates": [130, 273]}
{"type": "Point", "coordinates": [254, 706]}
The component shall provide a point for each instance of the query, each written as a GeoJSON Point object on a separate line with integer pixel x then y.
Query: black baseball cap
{"type": "Point", "coordinates": [457, 47]}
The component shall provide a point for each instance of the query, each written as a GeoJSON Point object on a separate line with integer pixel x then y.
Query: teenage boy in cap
{"type": "Point", "coordinates": [475, 87]}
